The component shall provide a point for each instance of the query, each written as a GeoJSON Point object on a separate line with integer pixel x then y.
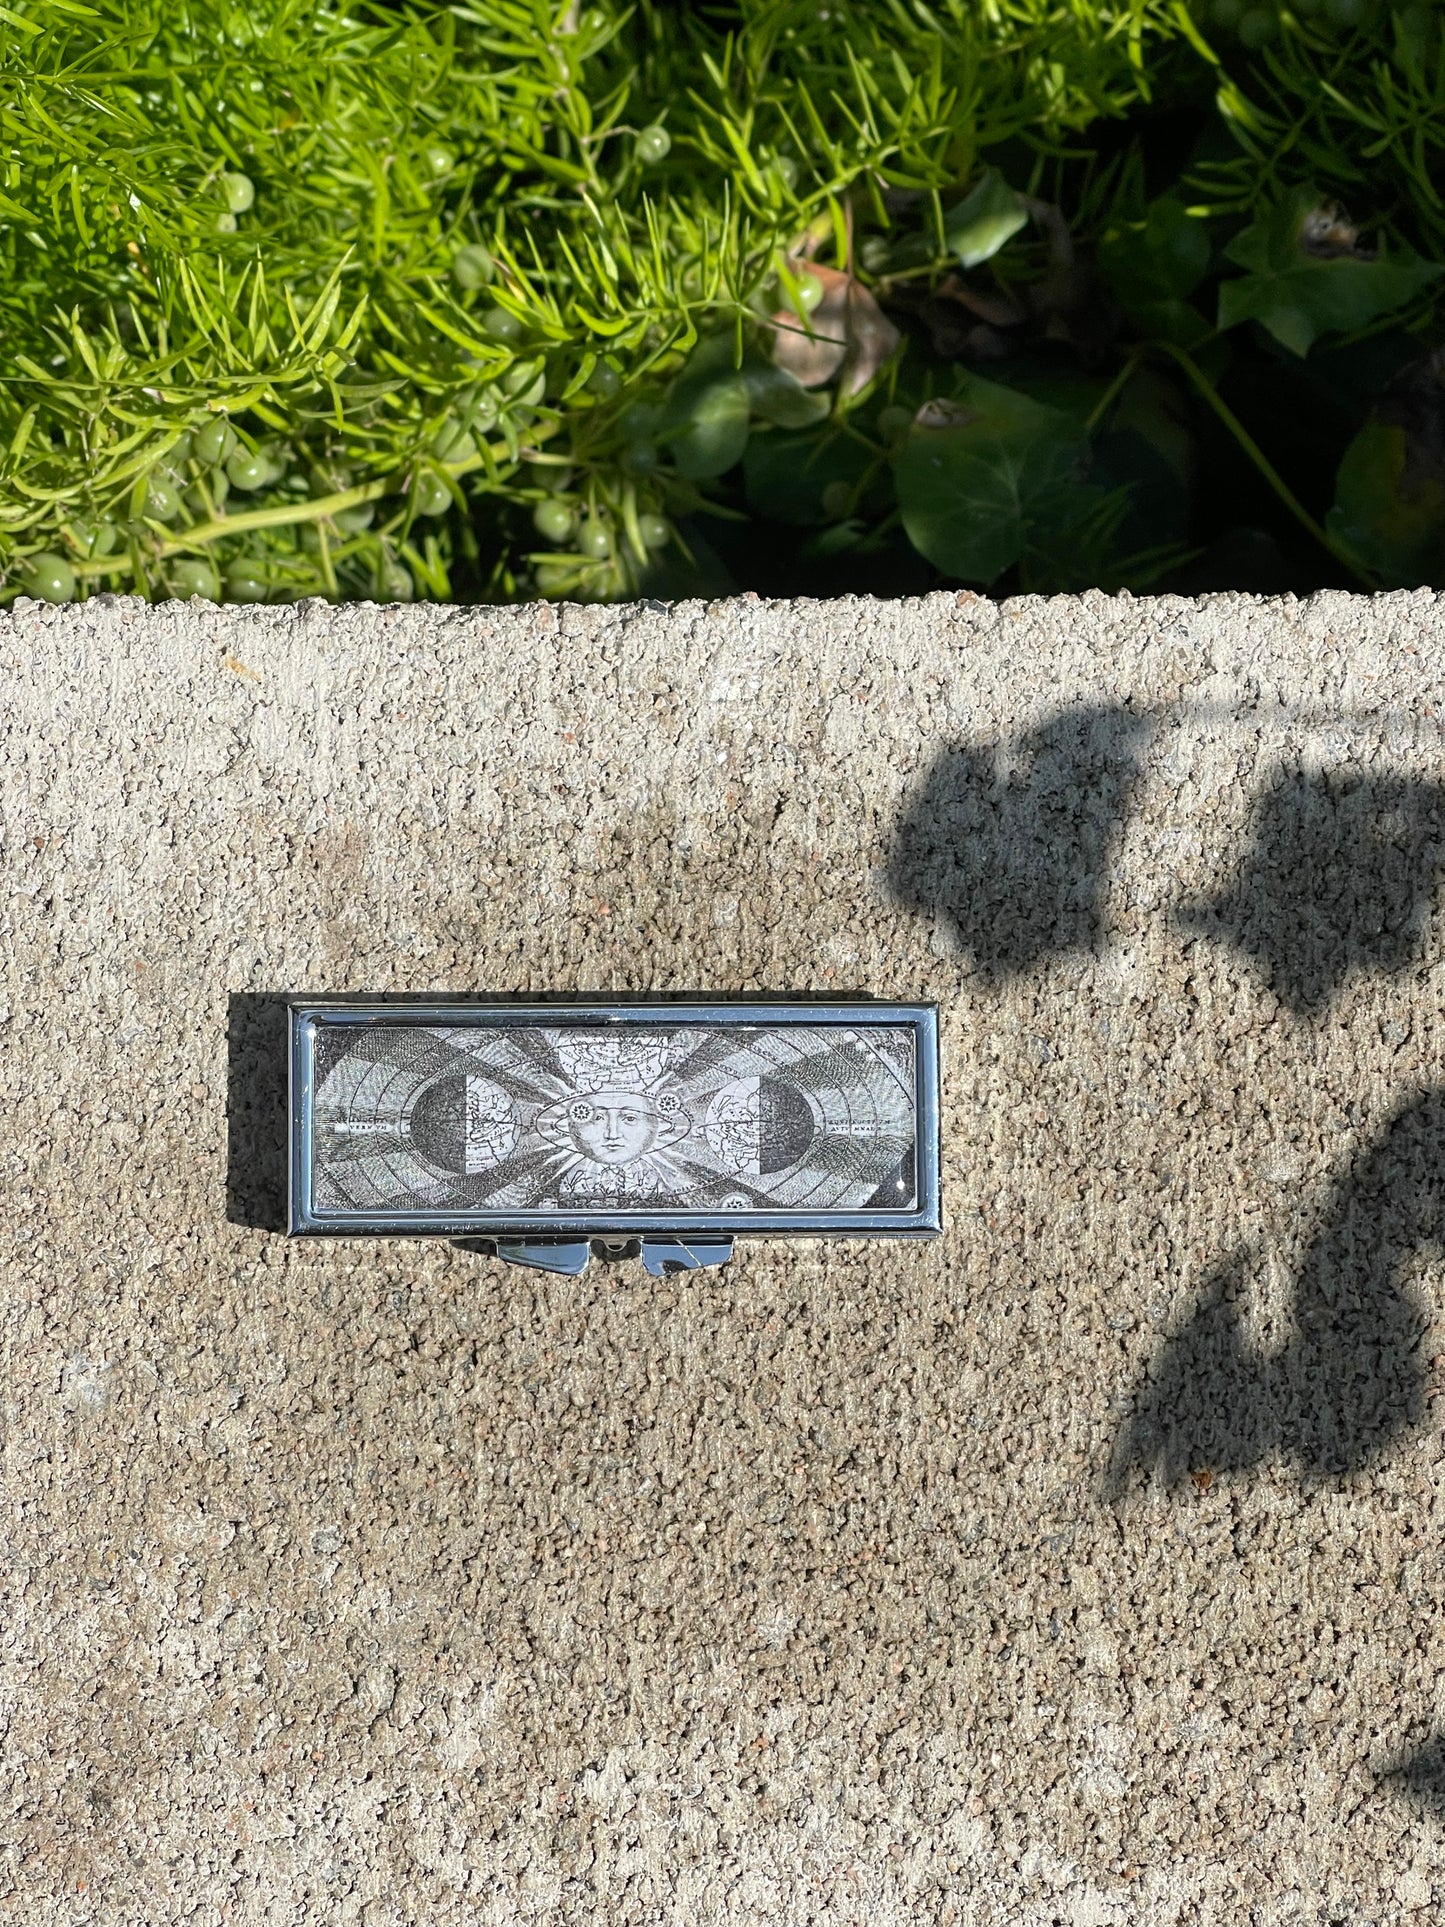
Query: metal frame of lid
{"type": "Point", "coordinates": [617, 1229]}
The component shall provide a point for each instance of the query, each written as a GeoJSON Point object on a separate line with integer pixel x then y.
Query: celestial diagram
{"type": "Point", "coordinates": [779, 1117]}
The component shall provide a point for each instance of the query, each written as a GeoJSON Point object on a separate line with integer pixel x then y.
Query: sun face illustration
{"type": "Point", "coordinates": [614, 1131]}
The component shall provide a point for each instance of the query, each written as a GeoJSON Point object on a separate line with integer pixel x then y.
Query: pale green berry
{"type": "Point", "coordinates": [50, 577]}
{"type": "Point", "coordinates": [95, 538]}
{"type": "Point", "coordinates": [653, 145]}
{"type": "Point", "coordinates": [225, 224]}
{"type": "Point", "coordinates": [500, 325]}
{"type": "Point", "coordinates": [179, 452]}
{"type": "Point", "coordinates": [554, 520]}
{"type": "Point", "coordinates": [250, 469]}
{"type": "Point", "coordinates": [245, 583]}
{"type": "Point", "coordinates": [394, 583]}
{"type": "Point", "coordinates": [523, 376]}
{"type": "Point", "coordinates": [215, 443]}
{"type": "Point", "coordinates": [437, 160]}
{"type": "Point", "coordinates": [430, 494]}
{"type": "Point", "coordinates": [640, 458]}
{"type": "Point", "coordinates": [553, 578]}
{"type": "Point", "coordinates": [808, 293]}
{"type": "Point", "coordinates": [640, 421]}
{"type": "Point", "coordinates": [237, 191]}
{"type": "Point", "coordinates": [604, 381]}
{"type": "Point", "coordinates": [653, 530]}
{"type": "Point", "coordinates": [195, 576]}
{"type": "Point", "coordinates": [453, 443]}
{"type": "Point", "coordinates": [353, 520]}
{"type": "Point", "coordinates": [472, 266]}
{"type": "Point", "coordinates": [595, 540]}
{"type": "Point", "coordinates": [217, 488]}
{"type": "Point", "coordinates": [163, 501]}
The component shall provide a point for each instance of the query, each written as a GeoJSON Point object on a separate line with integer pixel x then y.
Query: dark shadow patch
{"type": "Point", "coordinates": [1419, 1778]}
{"type": "Point", "coordinates": [1210, 1400]}
{"type": "Point", "coordinates": [1340, 878]}
{"type": "Point", "coordinates": [257, 1034]}
{"type": "Point", "coordinates": [1350, 1379]}
{"type": "Point", "coordinates": [1019, 863]}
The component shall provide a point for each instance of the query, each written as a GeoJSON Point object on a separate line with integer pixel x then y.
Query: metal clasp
{"type": "Point", "coordinates": [569, 1257]}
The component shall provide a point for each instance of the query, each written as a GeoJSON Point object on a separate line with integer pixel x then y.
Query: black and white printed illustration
{"type": "Point", "coordinates": [778, 1117]}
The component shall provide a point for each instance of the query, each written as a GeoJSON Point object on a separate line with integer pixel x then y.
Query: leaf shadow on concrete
{"type": "Point", "coordinates": [1348, 1380]}
{"type": "Point", "coordinates": [1419, 1778]}
{"type": "Point", "coordinates": [1340, 877]}
{"type": "Point", "coordinates": [1013, 843]}
{"type": "Point", "coordinates": [256, 1110]}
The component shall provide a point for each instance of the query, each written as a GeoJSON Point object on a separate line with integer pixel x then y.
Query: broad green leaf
{"type": "Point", "coordinates": [703, 421]}
{"type": "Point", "coordinates": [777, 397]}
{"type": "Point", "coordinates": [706, 424]}
{"type": "Point", "coordinates": [1154, 265]}
{"type": "Point", "coordinates": [1390, 519]}
{"type": "Point", "coordinates": [973, 492]}
{"type": "Point", "coordinates": [984, 219]}
{"type": "Point", "coordinates": [1296, 295]}
{"type": "Point", "coordinates": [786, 474]}
{"type": "Point", "coordinates": [1155, 408]}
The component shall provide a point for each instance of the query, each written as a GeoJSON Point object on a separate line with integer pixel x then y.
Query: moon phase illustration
{"type": "Point", "coordinates": [758, 1125]}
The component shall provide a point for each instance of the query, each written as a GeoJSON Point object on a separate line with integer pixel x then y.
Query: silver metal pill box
{"type": "Point", "coordinates": [552, 1131]}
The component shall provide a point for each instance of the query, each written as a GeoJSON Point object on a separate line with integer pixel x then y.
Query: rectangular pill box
{"type": "Point", "coordinates": [521, 1122]}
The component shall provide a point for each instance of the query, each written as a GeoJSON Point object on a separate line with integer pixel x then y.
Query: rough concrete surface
{"type": "Point", "coordinates": [1084, 1567]}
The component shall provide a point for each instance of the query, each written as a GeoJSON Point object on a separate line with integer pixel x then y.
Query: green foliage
{"type": "Point", "coordinates": [516, 297]}
{"type": "Point", "coordinates": [703, 425]}
{"type": "Point", "coordinates": [1349, 94]}
{"type": "Point", "coordinates": [1393, 522]}
{"type": "Point", "coordinates": [1154, 265]}
{"type": "Point", "coordinates": [1299, 292]}
{"type": "Point", "coordinates": [987, 216]}
{"type": "Point", "coordinates": [982, 476]}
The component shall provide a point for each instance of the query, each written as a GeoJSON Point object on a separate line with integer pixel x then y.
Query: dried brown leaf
{"type": "Point", "coordinates": [847, 335]}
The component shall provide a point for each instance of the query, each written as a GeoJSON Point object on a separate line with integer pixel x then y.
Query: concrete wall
{"type": "Point", "coordinates": [1085, 1567]}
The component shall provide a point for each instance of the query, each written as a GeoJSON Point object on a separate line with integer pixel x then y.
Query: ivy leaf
{"type": "Point", "coordinates": [1302, 283]}
{"type": "Point", "coordinates": [778, 398]}
{"type": "Point", "coordinates": [1154, 265]}
{"type": "Point", "coordinates": [977, 477]}
{"type": "Point", "coordinates": [1389, 508]}
{"type": "Point", "coordinates": [786, 475]}
{"type": "Point", "coordinates": [984, 219]}
{"type": "Point", "coordinates": [704, 423]}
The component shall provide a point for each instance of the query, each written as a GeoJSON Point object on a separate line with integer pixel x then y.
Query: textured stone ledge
{"type": "Point", "coordinates": [1083, 1567]}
